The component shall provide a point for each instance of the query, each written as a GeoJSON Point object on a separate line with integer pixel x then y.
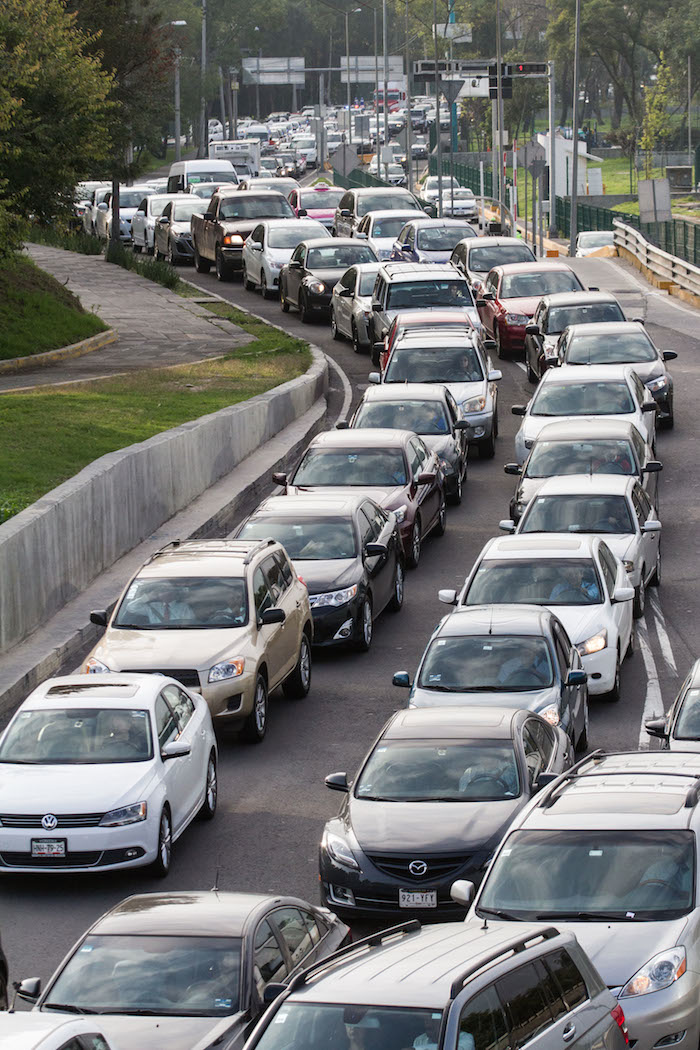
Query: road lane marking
{"type": "Point", "coordinates": [653, 703]}
{"type": "Point", "coordinates": [664, 640]}
{"type": "Point", "coordinates": [521, 365]}
{"type": "Point", "coordinates": [345, 382]}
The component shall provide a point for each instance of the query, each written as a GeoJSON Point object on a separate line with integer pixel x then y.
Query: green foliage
{"type": "Point", "coordinates": [61, 237]}
{"type": "Point", "coordinates": [655, 122]}
{"type": "Point", "coordinates": [151, 269]}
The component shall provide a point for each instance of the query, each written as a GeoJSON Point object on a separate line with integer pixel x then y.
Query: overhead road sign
{"type": "Point", "coordinates": [363, 69]}
{"type": "Point", "coordinates": [457, 32]}
{"type": "Point", "coordinates": [258, 70]}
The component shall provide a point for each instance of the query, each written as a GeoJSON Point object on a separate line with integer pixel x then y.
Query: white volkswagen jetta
{"type": "Point", "coordinates": [99, 772]}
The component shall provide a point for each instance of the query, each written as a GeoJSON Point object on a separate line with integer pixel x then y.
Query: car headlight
{"type": "Point", "coordinates": [550, 714]}
{"type": "Point", "coordinates": [95, 666]}
{"type": "Point", "coordinates": [233, 238]}
{"type": "Point", "coordinates": [317, 287]}
{"type": "Point", "coordinates": [401, 512]}
{"type": "Point", "coordinates": [116, 818]}
{"type": "Point", "coordinates": [657, 384]}
{"type": "Point", "coordinates": [339, 850]}
{"type": "Point", "coordinates": [474, 404]}
{"type": "Point", "coordinates": [333, 598]}
{"type": "Point", "coordinates": [594, 644]}
{"type": "Point", "coordinates": [629, 566]}
{"type": "Point", "coordinates": [517, 319]}
{"type": "Point", "coordinates": [226, 669]}
{"type": "Point", "coordinates": [660, 972]}
{"type": "Point", "coordinates": [276, 265]}
{"type": "Point", "coordinates": [448, 467]}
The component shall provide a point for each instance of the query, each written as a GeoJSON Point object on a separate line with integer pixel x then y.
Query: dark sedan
{"type": "Point", "coordinates": [308, 279]}
{"type": "Point", "coordinates": [429, 805]}
{"type": "Point", "coordinates": [553, 315]}
{"type": "Point", "coordinates": [393, 467]}
{"type": "Point", "coordinates": [348, 552]}
{"type": "Point", "coordinates": [187, 968]}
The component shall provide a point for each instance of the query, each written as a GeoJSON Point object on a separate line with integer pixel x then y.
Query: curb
{"type": "Point", "coordinates": [51, 357]}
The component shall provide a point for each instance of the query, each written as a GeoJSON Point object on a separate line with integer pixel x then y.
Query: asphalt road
{"type": "Point", "coordinates": [272, 802]}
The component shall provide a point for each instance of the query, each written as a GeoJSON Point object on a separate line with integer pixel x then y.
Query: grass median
{"type": "Point", "coordinates": [48, 435]}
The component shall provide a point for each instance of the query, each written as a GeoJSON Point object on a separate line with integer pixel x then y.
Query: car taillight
{"type": "Point", "coordinates": [302, 580]}
{"type": "Point", "coordinates": [618, 1016]}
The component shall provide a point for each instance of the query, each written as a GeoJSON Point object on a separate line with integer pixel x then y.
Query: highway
{"type": "Point", "coordinates": [272, 801]}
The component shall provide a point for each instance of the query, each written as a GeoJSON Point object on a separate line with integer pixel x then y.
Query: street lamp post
{"type": "Point", "coordinates": [437, 110]}
{"type": "Point", "coordinates": [354, 11]}
{"type": "Point", "coordinates": [386, 91]}
{"type": "Point", "coordinates": [574, 138]}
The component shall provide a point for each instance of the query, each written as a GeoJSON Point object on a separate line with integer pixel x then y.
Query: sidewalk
{"type": "Point", "coordinates": [155, 327]}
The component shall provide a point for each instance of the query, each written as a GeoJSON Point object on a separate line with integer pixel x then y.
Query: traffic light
{"type": "Point", "coordinates": [530, 69]}
{"type": "Point", "coordinates": [506, 81]}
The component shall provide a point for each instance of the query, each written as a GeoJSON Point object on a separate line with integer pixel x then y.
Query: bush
{"type": "Point", "coordinates": [71, 240]}
{"type": "Point", "coordinates": [151, 269]}
{"type": "Point", "coordinates": [11, 505]}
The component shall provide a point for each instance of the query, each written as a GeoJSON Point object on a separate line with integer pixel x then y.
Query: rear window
{"type": "Point", "coordinates": [388, 202]}
{"type": "Point", "coordinates": [535, 285]}
{"type": "Point", "coordinates": [425, 295]}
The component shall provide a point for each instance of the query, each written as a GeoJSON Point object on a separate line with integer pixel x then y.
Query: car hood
{"type": "Point", "coordinates": [434, 256]}
{"type": "Point", "coordinates": [73, 788]}
{"type": "Point", "coordinates": [430, 827]}
{"type": "Point", "coordinates": [320, 213]}
{"type": "Point", "coordinates": [175, 1033]}
{"type": "Point", "coordinates": [580, 621]}
{"type": "Point", "coordinates": [525, 305]}
{"type": "Point", "coordinates": [463, 391]}
{"type": "Point", "coordinates": [127, 213]}
{"type": "Point", "coordinates": [330, 575]}
{"type": "Point", "coordinates": [329, 277]}
{"type": "Point", "coordinates": [532, 425]}
{"type": "Point", "coordinates": [442, 444]}
{"type": "Point", "coordinates": [180, 227]}
{"type": "Point", "coordinates": [532, 700]}
{"type": "Point", "coordinates": [387, 497]}
{"type": "Point", "coordinates": [147, 649]}
{"type": "Point", "coordinates": [383, 246]}
{"type": "Point", "coordinates": [620, 543]}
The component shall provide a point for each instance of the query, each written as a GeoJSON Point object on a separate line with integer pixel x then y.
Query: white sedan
{"type": "Point", "coordinates": [144, 221]}
{"type": "Point", "coordinates": [271, 245]}
{"type": "Point", "coordinates": [30, 1031]}
{"type": "Point", "coordinates": [99, 772]}
{"type": "Point", "coordinates": [381, 228]}
{"type": "Point", "coordinates": [578, 578]}
{"type": "Point", "coordinates": [609, 391]}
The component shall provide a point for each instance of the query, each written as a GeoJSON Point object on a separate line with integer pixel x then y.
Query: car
{"type": "Point", "coordinates": [590, 445]}
{"type": "Point", "coordinates": [172, 239]}
{"type": "Point", "coordinates": [463, 986]}
{"type": "Point", "coordinates": [431, 800]}
{"type": "Point", "coordinates": [556, 312]}
{"type": "Point", "coordinates": [308, 279]}
{"type": "Point", "coordinates": [679, 728]}
{"type": "Point", "coordinates": [220, 233]}
{"type": "Point", "coordinates": [390, 172]}
{"type": "Point", "coordinates": [598, 390]}
{"type": "Point", "coordinates": [476, 258]}
{"type": "Point", "coordinates": [316, 202]}
{"type": "Point", "coordinates": [291, 164]}
{"type": "Point", "coordinates": [143, 224]}
{"type": "Point", "coordinates": [186, 174]}
{"type": "Point", "coordinates": [626, 342]}
{"type": "Point", "coordinates": [217, 953]}
{"type": "Point", "coordinates": [306, 146]}
{"type": "Point", "coordinates": [358, 201]}
{"type": "Point", "coordinates": [112, 769]}
{"type": "Point", "coordinates": [608, 852]}
{"type": "Point", "coordinates": [510, 295]}
{"type": "Point", "coordinates": [427, 409]}
{"type": "Point", "coordinates": [428, 321]}
{"type": "Point", "coordinates": [26, 1031]}
{"type": "Point", "coordinates": [351, 305]}
{"type": "Point", "coordinates": [461, 204]}
{"type": "Point", "coordinates": [576, 577]}
{"type": "Point", "coordinates": [611, 506]}
{"type": "Point", "coordinates": [430, 240]}
{"type": "Point", "coordinates": [592, 241]}
{"type": "Point", "coordinates": [484, 655]}
{"type": "Point", "coordinates": [418, 286]}
{"type": "Point", "coordinates": [95, 198]}
{"type": "Point", "coordinates": [235, 611]}
{"type": "Point", "coordinates": [348, 552]}
{"type": "Point", "coordinates": [393, 467]}
{"type": "Point", "coordinates": [380, 229]}
{"type": "Point", "coordinates": [419, 147]}
{"type": "Point", "coordinates": [83, 200]}
{"type": "Point", "coordinates": [130, 198]}
{"type": "Point", "coordinates": [455, 360]}
{"type": "Point", "coordinates": [273, 183]}
{"type": "Point", "coordinates": [429, 190]}
{"type": "Point", "coordinates": [269, 246]}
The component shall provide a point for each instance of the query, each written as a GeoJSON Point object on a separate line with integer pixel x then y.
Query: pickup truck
{"type": "Point", "coordinates": [219, 234]}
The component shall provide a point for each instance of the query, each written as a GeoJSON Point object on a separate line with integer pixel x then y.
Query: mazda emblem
{"type": "Point", "coordinates": [49, 822]}
{"type": "Point", "coordinates": [418, 867]}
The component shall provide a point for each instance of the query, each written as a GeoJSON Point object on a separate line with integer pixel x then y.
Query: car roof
{"type": "Point", "coordinates": [312, 505]}
{"type": "Point", "coordinates": [437, 223]}
{"type": "Point", "coordinates": [608, 328]}
{"type": "Point", "coordinates": [577, 298]}
{"type": "Point", "coordinates": [492, 242]}
{"type": "Point", "coordinates": [223, 558]}
{"type": "Point", "coordinates": [405, 391]}
{"type": "Point", "coordinates": [592, 374]}
{"type": "Point", "coordinates": [496, 620]}
{"type": "Point", "coordinates": [396, 272]}
{"type": "Point", "coordinates": [119, 690]}
{"type": "Point", "coordinates": [363, 437]}
{"type": "Point", "coordinates": [393, 213]}
{"type": "Point", "coordinates": [27, 1030]}
{"type": "Point", "coordinates": [540, 544]}
{"type": "Point", "coordinates": [224, 191]}
{"type": "Point", "coordinates": [587, 428]}
{"type": "Point", "coordinates": [322, 242]}
{"type": "Point", "coordinates": [532, 267]}
{"type": "Point", "coordinates": [482, 723]}
{"type": "Point", "coordinates": [383, 191]}
{"type": "Point", "coordinates": [206, 913]}
{"type": "Point", "coordinates": [433, 318]}
{"type": "Point", "coordinates": [305, 220]}
{"type": "Point", "coordinates": [424, 337]}
{"type": "Point", "coordinates": [588, 485]}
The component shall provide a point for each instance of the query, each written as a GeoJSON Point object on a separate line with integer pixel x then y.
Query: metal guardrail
{"type": "Point", "coordinates": [662, 264]}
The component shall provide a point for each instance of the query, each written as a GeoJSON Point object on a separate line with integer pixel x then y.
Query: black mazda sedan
{"type": "Point", "coordinates": [308, 279]}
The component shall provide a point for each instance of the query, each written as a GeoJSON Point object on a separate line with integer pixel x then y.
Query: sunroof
{"type": "Point", "coordinates": [114, 689]}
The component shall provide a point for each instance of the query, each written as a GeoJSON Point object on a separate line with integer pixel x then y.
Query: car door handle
{"type": "Point", "coordinates": [569, 1032]}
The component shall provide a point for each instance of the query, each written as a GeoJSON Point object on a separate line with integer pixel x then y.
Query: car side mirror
{"type": "Point", "coordinates": [650, 406]}
{"type": "Point", "coordinates": [103, 207]}
{"type": "Point", "coordinates": [506, 525]}
{"type": "Point", "coordinates": [99, 618]}
{"type": "Point", "coordinates": [543, 780]}
{"type": "Point", "coordinates": [272, 991]}
{"type": "Point", "coordinates": [376, 307]}
{"type": "Point", "coordinates": [669, 355]}
{"type": "Point", "coordinates": [378, 348]}
{"type": "Point", "coordinates": [345, 213]}
{"type": "Point", "coordinates": [494, 375]}
{"type": "Point", "coordinates": [488, 296]}
{"type": "Point", "coordinates": [512, 468]}
{"type": "Point", "coordinates": [279, 478]}
{"type": "Point", "coordinates": [447, 597]}
{"type": "Point", "coordinates": [622, 594]}
{"type": "Point", "coordinates": [345, 292]}
{"type": "Point", "coordinates": [375, 550]}
{"type": "Point", "coordinates": [519, 410]}
{"type": "Point", "coordinates": [652, 467]}
{"type": "Point", "coordinates": [480, 303]}
{"type": "Point", "coordinates": [374, 377]}
{"type": "Point", "coordinates": [337, 781]}
{"type": "Point", "coordinates": [576, 676]}
{"type": "Point", "coordinates": [461, 424]}
{"type": "Point", "coordinates": [270, 616]}
{"type": "Point", "coordinates": [490, 345]}
{"type": "Point", "coordinates": [209, 215]}
{"type": "Point", "coordinates": [462, 892]}
{"type": "Point", "coordinates": [302, 213]}
{"type": "Point", "coordinates": [402, 680]}
{"type": "Point", "coordinates": [29, 989]}
{"type": "Point", "coordinates": [426, 477]}
{"type": "Point", "coordinates": [295, 264]}
{"type": "Point", "coordinates": [360, 236]}
{"type": "Point", "coordinates": [655, 727]}
{"type": "Point", "coordinates": [342, 424]}
{"type": "Point", "coordinates": [175, 749]}
{"type": "Point", "coordinates": [653, 525]}
{"type": "Point", "coordinates": [532, 329]}
{"type": "Point", "coordinates": [593, 288]}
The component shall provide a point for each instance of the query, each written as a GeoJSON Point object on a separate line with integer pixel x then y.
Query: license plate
{"type": "Point", "coordinates": [417, 898]}
{"type": "Point", "coordinates": [48, 847]}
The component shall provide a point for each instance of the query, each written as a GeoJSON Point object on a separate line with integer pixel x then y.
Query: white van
{"type": "Point", "coordinates": [261, 132]}
{"type": "Point", "coordinates": [187, 173]}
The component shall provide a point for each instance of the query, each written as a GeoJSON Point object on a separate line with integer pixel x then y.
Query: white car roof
{"type": "Point", "coordinates": [26, 1031]}
{"type": "Point", "coordinates": [587, 428]}
{"type": "Point", "coordinates": [540, 545]}
{"type": "Point", "coordinates": [404, 392]}
{"type": "Point", "coordinates": [587, 374]}
{"type": "Point", "coordinates": [588, 485]}
{"type": "Point", "coordinates": [84, 690]}
{"type": "Point", "coordinates": [396, 213]}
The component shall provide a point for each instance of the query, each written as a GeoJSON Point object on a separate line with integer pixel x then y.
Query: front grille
{"type": "Point", "coordinates": [185, 677]}
{"type": "Point", "coordinates": [73, 860]}
{"type": "Point", "coordinates": [67, 820]}
{"type": "Point", "coordinates": [438, 867]}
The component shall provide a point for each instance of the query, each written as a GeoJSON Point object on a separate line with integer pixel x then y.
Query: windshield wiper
{"type": "Point", "coordinates": [137, 1011]}
{"type": "Point", "coordinates": [498, 913]}
{"type": "Point", "coordinates": [443, 689]}
{"type": "Point", "coordinates": [69, 1008]}
{"type": "Point", "coordinates": [585, 916]}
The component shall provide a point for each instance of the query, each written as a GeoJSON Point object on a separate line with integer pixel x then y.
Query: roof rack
{"type": "Point", "coordinates": [247, 548]}
{"type": "Point", "coordinates": [374, 940]}
{"type": "Point", "coordinates": [517, 946]}
{"type": "Point", "coordinates": [548, 797]}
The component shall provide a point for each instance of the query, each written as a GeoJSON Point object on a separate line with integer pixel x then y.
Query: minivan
{"type": "Point", "coordinates": [187, 173]}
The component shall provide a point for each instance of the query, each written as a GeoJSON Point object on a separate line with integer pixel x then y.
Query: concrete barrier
{"type": "Point", "coordinates": [52, 550]}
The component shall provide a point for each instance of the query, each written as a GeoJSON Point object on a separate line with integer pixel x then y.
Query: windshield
{"type": "Point", "coordinates": [313, 199]}
{"type": "Point", "coordinates": [367, 281]}
{"type": "Point", "coordinates": [461, 195]}
{"type": "Point", "coordinates": [560, 317]}
{"type": "Point", "coordinates": [535, 285]}
{"type": "Point", "coordinates": [245, 206]}
{"type": "Point", "coordinates": [583, 399]}
{"type": "Point", "coordinates": [597, 239]}
{"type": "Point", "coordinates": [183, 602]}
{"type": "Point", "coordinates": [388, 227]}
{"type": "Point", "coordinates": [175, 976]}
{"type": "Point", "coordinates": [688, 723]}
{"type": "Point", "coordinates": [321, 1026]}
{"type": "Point", "coordinates": [205, 191]}
{"type": "Point", "coordinates": [619, 348]}
{"type": "Point", "coordinates": [305, 540]}
{"type": "Point", "coordinates": [491, 663]}
{"type": "Point", "coordinates": [589, 513]}
{"type": "Point", "coordinates": [422, 417]}
{"type": "Point", "coordinates": [618, 874]}
{"type": "Point", "coordinates": [447, 364]}
{"type": "Point", "coordinates": [78, 736]}
{"type": "Point", "coordinates": [290, 236]}
{"type": "Point", "coordinates": [439, 771]}
{"type": "Point", "coordinates": [386, 202]}
{"type": "Point", "coordinates": [339, 258]}
{"type": "Point", "coordinates": [305, 144]}
{"type": "Point", "coordinates": [481, 260]}
{"type": "Point", "coordinates": [579, 457]}
{"type": "Point", "coordinates": [132, 198]}
{"type": "Point", "coordinates": [366, 466]}
{"type": "Point", "coordinates": [442, 238]}
{"type": "Point", "coordinates": [157, 205]}
{"type": "Point", "coordinates": [558, 581]}
{"type": "Point", "coordinates": [184, 210]}
{"type": "Point", "coordinates": [195, 177]}
{"type": "Point", "coordinates": [417, 295]}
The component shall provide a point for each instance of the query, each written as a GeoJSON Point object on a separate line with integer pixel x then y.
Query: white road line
{"type": "Point", "coordinates": [345, 383]}
{"type": "Point", "coordinates": [521, 365]}
{"type": "Point", "coordinates": [653, 704]}
{"type": "Point", "coordinates": [664, 640]}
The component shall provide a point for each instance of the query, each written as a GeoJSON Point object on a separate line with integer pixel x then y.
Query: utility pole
{"type": "Point", "coordinates": [376, 76]}
{"type": "Point", "coordinates": [257, 86]}
{"type": "Point", "coordinates": [347, 59]}
{"type": "Point", "coordinates": [552, 157]}
{"type": "Point", "coordinates": [178, 128]}
{"type": "Point", "coordinates": [386, 89]}
{"type": "Point", "coordinates": [574, 160]}
{"type": "Point", "coordinates": [409, 129]}
{"type": "Point", "coordinates": [437, 108]}
{"type": "Point", "coordinates": [690, 129]}
{"type": "Point", "coordinates": [203, 143]}
{"type": "Point", "coordinates": [499, 100]}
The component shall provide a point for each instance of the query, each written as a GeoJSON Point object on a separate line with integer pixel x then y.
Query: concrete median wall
{"type": "Point", "coordinates": [52, 550]}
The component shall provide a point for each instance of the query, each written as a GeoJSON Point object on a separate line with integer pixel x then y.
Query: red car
{"type": "Point", "coordinates": [510, 296]}
{"type": "Point", "coordinates": [409, 320]}
{"type": "Point", "coordinates": [316, 202]}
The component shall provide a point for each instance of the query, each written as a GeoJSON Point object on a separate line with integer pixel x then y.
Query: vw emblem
{"type": "Point", "coordinates": [49, 822]}
{"type": "Point", "coordinates": [417, 867]}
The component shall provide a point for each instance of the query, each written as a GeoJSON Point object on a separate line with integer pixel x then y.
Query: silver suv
{"type": "Point", "coordinates": [460, 986]}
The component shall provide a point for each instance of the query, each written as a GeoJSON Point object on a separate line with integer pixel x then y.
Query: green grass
{"type": "Point", "coordinates": [49, 435]}
{"type": "Point", "coordinates": [71, 240]}
{"type": "Point", "coordinates": [37, 313]}
{"type": "Point", "coordinates": [148, 162]}
{"type": "Point", "coordinates": [152, 269]}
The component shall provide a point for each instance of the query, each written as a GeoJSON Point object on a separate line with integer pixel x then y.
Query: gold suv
{"type": "Point", "coordinates": [229, 618]}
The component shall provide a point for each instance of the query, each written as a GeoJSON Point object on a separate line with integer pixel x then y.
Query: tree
{"type": "Point", "coordinates": [655, 123]}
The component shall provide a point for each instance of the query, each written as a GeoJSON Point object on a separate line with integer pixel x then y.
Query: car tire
{"type": "Point", "coordinates": [655, 579]}
{"type": "Point", "coordinates": [3, 992]}
{"type": "Point", "coordinates": [440, 525]}
{"type": "Point", "coordinates": [284, 302]}
{"type": "Point", "coordinates": [247, 283]}
{"type": "Point", "coordinates": [614, 694]}
{"type": "Point", "coordinates": [531, 375]}
{"type": "Point", "coordinates": [161, 865]}
{"type": "Point", "coordinates": [667, 423]}
{"type": "Point", "coordinates": [455, 498]}
{"type": "Point", "coordinates": [255, 725]}
{"type": "Point", "coordinates": [397, 596]}
{"type": "Point", "coordinates": [334, 326]}
{"type": "Point", "coordinates": [211, 790]}
{"type": "Point", "coordinates": [500, 352]}
{"type": "Point", "coordinates": [201, 265]}
{"type": "Point", "coordinates": [223, 269]}
{"type": "Point", "coordinates": [170, 258]}
{"type": "Point", "coordinates": [297, 686]}
{"type": "Point", "coordinates": [136, 248]}
{"type": "Point", "coordinates": [159, 257]}
{"type": "Point", "coordinates": [632, 644]}
{"type": "Point", "coordinates": [413, 555]}
{"type": "Point", "coordinates": [356, 345]}
{"type": "Point", "coordinates": [640, 596]}
{"type": "Point", "coordinates": [365, 626]}
{"type": "Point", "coordinates": [304, 312]}
{"type": "Point", "coordinates": [582, 743]}
{"type": "Point", "coordinates": [264, 290]}
{"type": "Point", "coordinates": [487, 447]}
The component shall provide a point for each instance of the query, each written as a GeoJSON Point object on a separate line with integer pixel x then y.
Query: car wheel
{"type": "Point", "coordinates": [614, 693]}
{"type": "Point", "coordinates": [247, 283]}
{"type": "Point", "coordinates": [531, 375]}
{"type": "Point", "coordinates": [441, 522]}
{"type": "Point", "coordinates": [356, 345]}
{"type": "Point", "coordinates": [487, 447]}
{"type": "Point", "coordinates": [298, 684]}
{"type": "Point", "coordinates": [632, 644]}
{"type": "Point", "coordinates": [455, 498]}
{"type": "Point", "coordinates": [211, 791]}
{"type": "Point", "coordinates": [334, 326]}
{"type": "Point", "coordinates": [655, 580]}
{"type": "Point", "coordinates": [170, 257]}
{"type": "Point", "coordinates": [136, 248]}
{"type": "Point", "coordinates": [159, 255]}
{"type": "Point", "coordinates": [413, 556]}
{"type": "Point", "coordinates": [304, 312]}
{"type": "Point", "coordinates": [161, 865]}
{"type": "Point", "coordinates": [255, 725]}
{"type": "Point", "coordinates": [667, 423]}
{"type": "Point", "coordinates": [396, 602]}
{"type": "Point", "coordinates": [201, 265]}
{"type": "Point", "coordinates": [365, 626]}
{"type": "Point", "coordinates": [283, 300]}
{"type": "Point", "coordinates": [640, 596]}
{"type": "Point", "coordinates": [223, 270]}
{"type": "Point", "coordinates": [497, 338]}
{"type": "Point", "coordinates": [264, 290]}
{"type": "Point", "coordinates": [3, 992]}
{"type": "Point", "coordinates": [582, 743]}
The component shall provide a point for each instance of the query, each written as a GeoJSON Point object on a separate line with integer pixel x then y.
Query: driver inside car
{"type": "Point", "coordinates": [489, 773]}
